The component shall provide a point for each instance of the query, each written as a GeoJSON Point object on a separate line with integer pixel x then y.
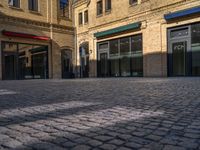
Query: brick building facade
{"type": "Point", "coordinates": [36, 39]}
{"type": "Point", "coordinates": [137, 38]}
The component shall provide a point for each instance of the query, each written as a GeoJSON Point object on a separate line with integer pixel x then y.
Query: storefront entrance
{"type": "Point", "coordinates": [24, 61]}
{"type": "Point", "coordinates": [184, 51]}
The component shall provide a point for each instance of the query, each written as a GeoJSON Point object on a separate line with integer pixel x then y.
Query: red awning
{"type": "Point", "coordinates": [23, 35]}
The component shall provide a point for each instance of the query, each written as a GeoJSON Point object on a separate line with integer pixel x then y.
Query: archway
{"type": "Point", "coordinates": [67, 67]}
{"type": "Point", "coordinates": [84, 59]}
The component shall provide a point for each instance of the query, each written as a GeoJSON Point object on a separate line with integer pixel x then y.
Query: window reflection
{"type": "Point", "coordinates": [129, 62]}
{"type": "Point", "coordinates": [196, 49]}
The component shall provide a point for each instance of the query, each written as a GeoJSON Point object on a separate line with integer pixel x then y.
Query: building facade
{"type": "Point", "coordinates": [137, 38]}
{"type": "Point", "coordinates": [36, 39]}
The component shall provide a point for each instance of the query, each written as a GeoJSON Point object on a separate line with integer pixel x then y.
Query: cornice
{"type": "Point", "coordinates": [34, 24]}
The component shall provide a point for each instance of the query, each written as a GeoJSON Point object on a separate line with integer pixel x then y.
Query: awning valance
{"type": "Point", "coordinates": [118, 30]}
{"type": "Point", "coordinates": [23, 35]}
{"type": "Point", "coordinates": [182, 13]}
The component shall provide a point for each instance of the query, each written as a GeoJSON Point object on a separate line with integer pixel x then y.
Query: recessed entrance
{"type": "Point", "coordinates": [179, 50]}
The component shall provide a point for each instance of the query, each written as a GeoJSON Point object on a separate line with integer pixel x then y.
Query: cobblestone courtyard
{"type": "Point", "coordinates": [123, 114]}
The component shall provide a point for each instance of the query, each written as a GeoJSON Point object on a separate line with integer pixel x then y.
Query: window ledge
{"type": "Point", "coordinates": [108, 12]}
{"type": "Point", "coordinates": [35, 12]}
{"type": "Point", "coordinates": [15, 8]}
{"type": "Point", "coordinates": [134, 4]}
{"type": "Point", "coordinates": [98, 16]}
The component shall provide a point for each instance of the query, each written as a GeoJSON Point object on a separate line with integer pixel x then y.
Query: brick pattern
{"type": "Point", "coordinates": [125, 114]}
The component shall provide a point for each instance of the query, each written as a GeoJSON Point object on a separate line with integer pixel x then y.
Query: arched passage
{"type": "Point", "coordinates": [84, 59]}
{"type": "Point", "coordinates": [67, 67]}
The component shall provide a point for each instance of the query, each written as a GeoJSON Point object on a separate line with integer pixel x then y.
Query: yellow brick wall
{"type": "Point", "coordinates": [47, 22]}
{"type": "Point", "coordinates": [154, 27]}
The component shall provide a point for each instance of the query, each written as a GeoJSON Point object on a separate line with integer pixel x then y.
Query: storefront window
{"type": "Point", "coordinates": [114, 47]}
{"type": "Point", "coordinates": [129, 62]}
{"type": "Point", "coordinates": [137, 65]}
{"type": "Point", "coordinates": [136, 44]}
{"type": "Point", "coordinates": [125, 66]}
{"type": "Point", "coordinates": [124, 46]}
{"type": "Point", "coordinates": [114, 66]}
{"type": "Point", "coordinates": [196, 49]}
{"type": "Point", "coordinates": [24, 61]}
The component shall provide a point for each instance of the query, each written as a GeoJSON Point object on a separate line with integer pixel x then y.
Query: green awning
{"type": "Point", "coordinates": [118, 30]}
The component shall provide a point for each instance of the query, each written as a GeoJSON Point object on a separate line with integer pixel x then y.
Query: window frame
{"type": "Point", "coordinates": [80, 18]}
{"type": "Point", "coordinates": [86, 21]}
{"type": "Point", "coordinates": [34, 6]}
{"type": "Point", "coordinates": [12, 4]}
{"type": "Point", "coordinates": [97, 10]}
{"type": "Point", "coordinates": [108, 9]}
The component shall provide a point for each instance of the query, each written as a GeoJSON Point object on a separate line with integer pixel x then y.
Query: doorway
{"type": "Point", "coordinates": [10, 66]}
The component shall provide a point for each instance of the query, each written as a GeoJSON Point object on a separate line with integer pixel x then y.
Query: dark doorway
{"type": "Point", "coordinates": [10, 67]}
{"type": "Point", "coordinates": [84, 60]}
{"type": "Point", "coordinates": [67, 68]}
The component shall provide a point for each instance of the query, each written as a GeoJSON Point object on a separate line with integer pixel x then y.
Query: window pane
{"type": "Point", "coordinates": [131, 2]}
{"type": "Point", "coordinates": [114, 66]}
{"type": "Point", "coordinates": [179, 33]}
{"type": "Point", "coordinates": [86, 16]}
{"type": "Point", "coordinates": [196, 49]}
{"type": "Point", "coordinates": [15, 3]}
{"type": "Point", "coordinates": [114, 48]}
{"type": "Point", "coordinates": [136, 43]}
{"type": "Point", "coordinates": [137, 65]}
{"type": "Point", "coordinates": [124, 46]}
{"type": "Point", "coordinates": [108, 5]}
{"type": "Point", "coordinates": [99, 7]}
{"type": "Point", "coordinates": [33, 5]}
{"type": "Point", "coordinates": [103, 46]}
{"type": "Point", "coordinates": [125, 67]}
{"type": "Point", "coordinates": [80, 18]}
{"type": "Point", "coordinates": [9, 47]}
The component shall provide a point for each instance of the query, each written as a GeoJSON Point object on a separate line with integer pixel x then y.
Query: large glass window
{"type": "Point", "coordinates": [136, 44]}
{"type": "Point", "coordinates": [114, 66]}
{"type": "Point", "coordinates": [125, 58]}
{"type": "Point", "coordinates": [24, 61]}
{"type": "Point", "coordinates": [114, 47]}
{"type": "Point", "coordinates": [196, 49]}
{"type": "Point", "coordinates": [124, 46]}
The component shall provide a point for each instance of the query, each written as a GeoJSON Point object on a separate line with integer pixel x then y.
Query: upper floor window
{"type": "Point", "coordinates": [33, 5]}
{"type": "Point", "coordinates": [80, 18]}
{"type": "Point", "coordinates": [14, 3]}
{"type": "Point", "coordinates": [99, 7]}
{"type": "Point", "coordinates": [132, 2]}
{"type": "Point", "coordinates": [64, 8]}
{"type": "Point", "coordinates": [86, 16]}
{"type": "Point", "coordinates": [108, 5]}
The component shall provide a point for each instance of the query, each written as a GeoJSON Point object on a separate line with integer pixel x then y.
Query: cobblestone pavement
{"type": "Point", "coordinates": [100, 114]}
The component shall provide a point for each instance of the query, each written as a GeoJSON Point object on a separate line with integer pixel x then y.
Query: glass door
{"type": "Point", "coordinates": [179, 52]}
{"type": "Point", "coordinates": [104, 64]}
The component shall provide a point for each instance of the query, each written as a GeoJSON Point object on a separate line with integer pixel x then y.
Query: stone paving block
{"type": "Point", "coordinates": [125, 113]}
